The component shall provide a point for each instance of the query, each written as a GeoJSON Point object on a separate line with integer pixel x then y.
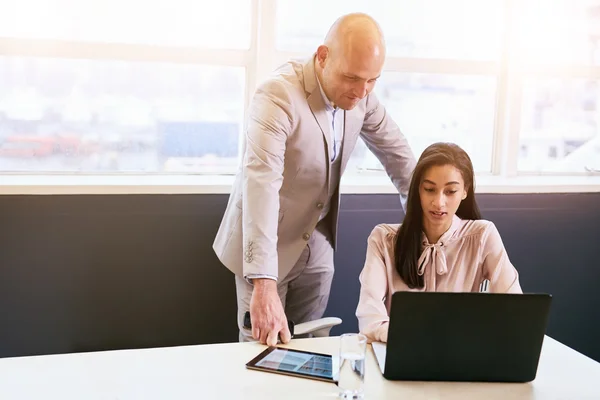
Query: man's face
{"type": "Point", "coordinates": [349, 77]}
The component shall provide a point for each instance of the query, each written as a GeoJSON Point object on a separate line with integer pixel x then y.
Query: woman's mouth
{"type": "Point", "coordinates": [437, 214]}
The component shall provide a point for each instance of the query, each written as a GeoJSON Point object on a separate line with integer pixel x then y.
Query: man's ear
{"type": "Point", "coordinates": [322, 54]}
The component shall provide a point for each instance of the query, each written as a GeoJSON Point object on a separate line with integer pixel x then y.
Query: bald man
{"type": "Point", "coordinates": [278, 233]}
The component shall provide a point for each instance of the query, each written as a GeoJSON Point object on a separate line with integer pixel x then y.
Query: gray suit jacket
{"type": "Point", "coordinates": [283, 181]}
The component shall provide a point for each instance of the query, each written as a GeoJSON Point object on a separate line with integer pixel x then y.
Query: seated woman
{"type": "Point", "coordinates": [442, 245]}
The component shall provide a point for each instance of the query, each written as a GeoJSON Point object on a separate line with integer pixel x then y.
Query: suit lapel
{"type": "Point", "coordinates": [317, 107]}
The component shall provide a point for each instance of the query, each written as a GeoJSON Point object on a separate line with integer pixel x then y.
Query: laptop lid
{"type": "Point", "coordinates": [465, 336]}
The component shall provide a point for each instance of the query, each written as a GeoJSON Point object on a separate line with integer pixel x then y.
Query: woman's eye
{"type": "Point", "coordinates": [430, 190]}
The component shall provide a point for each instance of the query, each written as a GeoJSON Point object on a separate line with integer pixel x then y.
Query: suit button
{"type": "Point", "coordinates": [306, 236]}
{"type": "Point", "coordinates": [320, 206]}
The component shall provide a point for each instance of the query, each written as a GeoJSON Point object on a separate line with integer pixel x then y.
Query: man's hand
{"type": "Point", "coordinates": [266, 311]}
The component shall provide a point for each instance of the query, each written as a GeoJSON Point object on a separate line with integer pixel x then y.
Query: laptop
{"type": "Point", "coordinates": [469, 337]}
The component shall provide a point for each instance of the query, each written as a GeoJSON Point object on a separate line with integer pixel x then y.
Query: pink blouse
{"type": "Point", "coordinates": [468, 253]}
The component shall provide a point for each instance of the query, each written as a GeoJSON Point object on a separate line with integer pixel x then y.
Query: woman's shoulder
{"type": "Point", "coordinates": [477, 227]}
{"type": "Point", "coordinates": [384, 230]}
{"type": "Point", "coordinates": [384, 233]}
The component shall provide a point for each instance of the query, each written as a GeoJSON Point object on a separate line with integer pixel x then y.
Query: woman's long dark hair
{"type": "Point", "coordinates": [408, 238]}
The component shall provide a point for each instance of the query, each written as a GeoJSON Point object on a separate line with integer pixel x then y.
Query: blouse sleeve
{"type": "Point", "coordinates": [497, 267]}
{"type": "Point", "coordinates": [373, 318]}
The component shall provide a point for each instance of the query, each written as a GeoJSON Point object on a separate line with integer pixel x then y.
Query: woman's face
{"type": "Point", "coordinates": [441, 191]}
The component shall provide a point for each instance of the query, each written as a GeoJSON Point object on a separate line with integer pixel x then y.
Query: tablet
{"type": "Point", "coordinates": [292, 362]}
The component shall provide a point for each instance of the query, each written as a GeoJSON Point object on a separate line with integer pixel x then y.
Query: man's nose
{"type": "Point", "coordinates": [361, 90]}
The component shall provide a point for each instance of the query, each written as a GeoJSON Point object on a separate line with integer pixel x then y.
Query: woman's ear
{"type": "Point", "coordinates": [464, 196]}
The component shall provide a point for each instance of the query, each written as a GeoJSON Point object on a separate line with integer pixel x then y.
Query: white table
{"type": "Point", "coordinates": [218, 372]}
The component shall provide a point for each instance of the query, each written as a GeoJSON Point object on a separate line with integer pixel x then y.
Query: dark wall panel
{"type": "Point", "coordinates": [84, 273]}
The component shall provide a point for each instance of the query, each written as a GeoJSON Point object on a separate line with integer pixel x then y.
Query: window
{"type": "Point", "coordinates": [76, 115]}
{"type": "Point", "coordinates": [122, 86]}
{"type": "Point", "coordinates": [131, 87]}
{"type": "Point", "coordinates": [431, 108]}
{"type": "Point", "coordinates": [560, 125]}
{"type": "Point", "coordinates": [557, 32]}
{"type": "Point", "coordinates": [445, 29]}
{"type": "Point", "coordinates": [556, 63]}
{"type": "Point", "coordinates": [166, 23]}
{"type": "Point", "coordinates": [444, 104]}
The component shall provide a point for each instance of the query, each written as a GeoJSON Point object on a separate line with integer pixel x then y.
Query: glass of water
{"type": "Point", "coordinates": [351, 376]}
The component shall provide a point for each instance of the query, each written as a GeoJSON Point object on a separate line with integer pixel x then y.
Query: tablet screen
{"type": "Point", "coordinates": [294, 362]}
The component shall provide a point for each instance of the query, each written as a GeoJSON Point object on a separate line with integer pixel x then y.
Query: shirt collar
{"type": "Point", "coordinates": [328, 104]}
{"type": "Point", "coordinates": [448, 234]}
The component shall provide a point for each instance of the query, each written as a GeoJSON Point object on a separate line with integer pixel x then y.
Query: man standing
{"type": "Point", "coordinates": [278, 233]}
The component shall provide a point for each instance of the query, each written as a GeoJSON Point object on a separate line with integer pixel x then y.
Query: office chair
{"type": "Point", "coordinates": [318, 328]}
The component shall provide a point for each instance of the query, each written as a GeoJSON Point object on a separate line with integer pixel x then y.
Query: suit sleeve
{"type": "Point", "coordinates": [497, 267]}
{"type": "Point", "coordinates": [269, 124]}
{"type": "Point", "coordinates": [385, 140]}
